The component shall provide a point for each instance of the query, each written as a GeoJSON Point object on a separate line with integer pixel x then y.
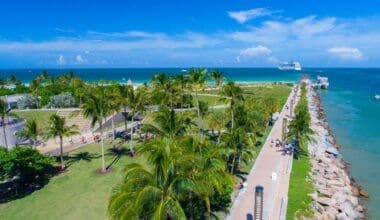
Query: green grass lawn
{"type": "Point", "coordinates": [299, 189]}
{"type": "Point", "coordinates": [41, 116]}
{"type": "Point", "coordinates": [80, 193]}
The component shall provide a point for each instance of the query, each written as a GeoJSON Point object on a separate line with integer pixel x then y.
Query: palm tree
{"type": "Point", "coordinates": [218, 77]}
{"type": "Point", "coordinates": [217, 121]}
{"type": "Point", "coordinates": [31, 130]}
{"type": "Point", "coordinates": [114, 105]}
{"type": "Point", "coordinates": [4, 113]}
{"type": "Point", "coordinates": [123, 93]}
{"type": "Point", "coordinates": [167, 123]}
{"type": "Point", "coordinates": [197, 78]}
{"type": "Point", "coordinates": [237, 143]}
{"type": "Point", "coordinates": [234, 94]}
{"type": "Point", "coordinates": [151, 193]}
{"type": "Point", "coordinates": [272, 105]}
{"type": "Point", "coordinates": [182, 81]}
{"type": "Point", "coordinates": [136, 104]}
{"type": "Point", "coordinates": [96, 107]}
{"type": "Point", "coordinates": [57, 128]}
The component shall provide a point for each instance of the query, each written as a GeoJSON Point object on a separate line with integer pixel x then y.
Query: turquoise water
{"type": "Point", "coordinates": [352, 112]}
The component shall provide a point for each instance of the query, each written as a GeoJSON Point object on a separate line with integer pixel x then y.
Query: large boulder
{"type": "Point", "coordinates": [324, 201]}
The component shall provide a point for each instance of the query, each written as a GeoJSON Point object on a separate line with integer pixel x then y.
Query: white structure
{"type": "Point", "coordinates": [11, 100]}
{"type": "Point", "coordinates": [290, 66]}
{"type": "Point", "coordinates": [12, 126]}
{"type": "Point", "coordinates": [322, 83]}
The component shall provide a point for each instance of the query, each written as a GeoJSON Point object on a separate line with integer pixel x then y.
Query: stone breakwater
{"type": "Point", "coordinates": [336, 195]}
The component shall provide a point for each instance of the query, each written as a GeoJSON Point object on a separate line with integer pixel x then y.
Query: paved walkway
{"type": "Point", "coordinates": [272, 171]}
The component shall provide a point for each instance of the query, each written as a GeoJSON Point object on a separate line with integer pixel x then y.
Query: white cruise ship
{"type": "Point", "coordinates": [290, 66]}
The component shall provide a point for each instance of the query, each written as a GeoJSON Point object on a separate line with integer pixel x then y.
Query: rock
{"type": "Point", "coordinates": [324, 201]}
{"type": "Point", "coordinates": [335, 183]}
{"type": "Point", "coordinates": [332, 211]}
{"type": "Point", "coordinates": [360, 208]}
{"type": "Point", "coordinates": [342, 216]}
{"type": "Point", "coordinates": [363, 193]}
{"type": "Point", "coordinates": [355, 190]}
{"type": "Point", "coordinates": [326, 193]}
{"type": "Point", "coordinates": [349, 209]}
{"type": "Point", "coordinates": [319, 207]}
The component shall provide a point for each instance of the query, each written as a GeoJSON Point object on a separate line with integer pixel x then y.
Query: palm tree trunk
{"type": "Point", "coordinates": [113, 129]}
{"type": "Point", "coordinates": [233, 164]}
{"type": "Point", "coordinates": [5, 134]}
{"type": "Point", "coordinates": [199, 112]}
{"type": "Point", "coordinates": [61, 152]}
{"type": "Point", "coordinates": [131, 140]}
{"type": "Point", "coordinates": [102, 145]}
{"type": "Point", "coordinates": [232, 118]}
{"type": "Point", "coordinates": [125, 119]}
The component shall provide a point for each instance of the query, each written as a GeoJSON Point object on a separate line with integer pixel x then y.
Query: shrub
{"type": "Point", "coordinates": [63, 100]}
{"type": "Point", "coordinates": [24, 162]}
{"type": "Point", "coordinates": [27, 102]}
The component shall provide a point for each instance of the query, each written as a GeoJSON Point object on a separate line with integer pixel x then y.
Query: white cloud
{"type": "Point", "coordinates": [80, 60]}
{"type": "Point", "coordinates": [61, 60]}
{"type": "Point", "coordinates": [258, 51]}
{"type": "Point", "coordinates": [128, 34]}
{"type": "Point", "coordinates": [244, 16]}
{"type": "Point", "coordinates": [346, 53]}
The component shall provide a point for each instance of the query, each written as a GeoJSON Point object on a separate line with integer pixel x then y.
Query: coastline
{"type": "Point", "coordinates": [337, 196]}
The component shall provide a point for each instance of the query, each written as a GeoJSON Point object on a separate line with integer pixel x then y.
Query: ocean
{"type": "Point", "coordinates": [352, 112]}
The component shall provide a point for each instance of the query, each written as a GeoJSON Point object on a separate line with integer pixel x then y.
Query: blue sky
{"type": "Point", "coordinates": [180, 33]}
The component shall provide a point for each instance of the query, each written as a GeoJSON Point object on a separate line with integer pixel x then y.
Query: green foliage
{"type": "Point", "coordinates": [63, 100]}
{"type": "Point", "coordinates": [24, 162]}
{"type": "Point", "coordinates": [27, 102]}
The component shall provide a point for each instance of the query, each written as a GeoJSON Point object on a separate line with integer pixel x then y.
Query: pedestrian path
{"type": "Point", "coordinates": [272, 171]}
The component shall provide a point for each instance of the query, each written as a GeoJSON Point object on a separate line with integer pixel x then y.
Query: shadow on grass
{"type": "Point", "coordinates": [81, 156]}
{"type": "Point", "coordinates": [118, 152]}
{"type": "Point", "coordinates": [20, 187]}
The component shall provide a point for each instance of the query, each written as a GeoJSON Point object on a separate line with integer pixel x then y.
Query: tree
{"type": "Point", "coordinates": [4, 112]}
{"type": "Point", "coordinates": [197, 78]}
{"type": "Point", "coordinates": [299, 128]}
{"type": "Point", "coordinates": [24, 162]}
{"type": "Point", "coordinates": [218, 77]}
{"type": "Point", "coordinates": [31, 131]}
{"type": "Point", "coordinates": [167, 123]}
{"type": "Point", "coordinates": [58, 128]}
{"type": "Point", "coordinates": [217, 121]}
{"type": "Point", "coordinates": [96, 107]}
{"type": "Point", "coordinates": [236, 143]}
{"type": "Point", "coordinates": [123, 101]}
{"type": "Point", "coordinates": [136, 104]}
{"type": "Point", "coordinates": [234, 94]}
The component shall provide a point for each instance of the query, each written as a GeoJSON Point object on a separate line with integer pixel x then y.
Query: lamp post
{"type": "Point", "coordinates": [284, 128]}
{"type": "Point", "coordinates": [259, 202]}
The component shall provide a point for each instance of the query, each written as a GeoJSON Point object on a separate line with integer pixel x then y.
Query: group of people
{"type": "Point", "coordinates": [287, 148]}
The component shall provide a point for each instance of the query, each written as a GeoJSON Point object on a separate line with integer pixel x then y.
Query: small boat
{"type": "Point", "coordinates": [377, 97]}
{"type": "Point", "coordinates": [183, 70]}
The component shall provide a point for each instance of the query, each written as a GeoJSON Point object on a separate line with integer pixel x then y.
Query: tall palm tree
{"type": "Point", "coordinates": [58, 128]}
{"type": "Point", "coordinates": [237, 141]}
{"type": "Point", "coordinates": [167, 123]}
{"type": "Point", "coordinates": [114, 105]}
{"type": "Point", "coordinates": [4, 113]}
{"type": "Point", "coordinates": [197, 78]}
{"type": "Point", "coordinates": [136, 104]}
{"type": "Point", "coordinates": [234, 94]}
{"type": "Point", "coordinates": [151, 193]}
{"type": "Point", "coordinates": [31, 130]}
{"type": "Point", "coordinates": [96, 107]}
{"type": "Point", "coordinates": [218, 77]}
{"type": "Point", "coordinates": [182, 81]}
{"type": "Point", "coordinates": [122, 98]}
{"type": "Point", "coordinates": [217, 121]}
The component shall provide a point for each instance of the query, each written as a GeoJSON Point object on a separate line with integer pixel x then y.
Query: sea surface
{"type": "Point", "coordinates": [351, 110]}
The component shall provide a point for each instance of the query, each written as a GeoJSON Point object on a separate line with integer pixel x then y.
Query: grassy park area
{"type": "Point", "coordinates": [41, 116]}
{"type": "Point", "coordinates": [80, 193]}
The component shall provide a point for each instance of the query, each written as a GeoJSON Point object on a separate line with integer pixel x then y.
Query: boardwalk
{"type": "Point", "coordinates": [272, 171]}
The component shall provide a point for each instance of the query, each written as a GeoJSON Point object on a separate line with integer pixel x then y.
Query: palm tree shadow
{"type": "Point", "coordinates": [117, 153]}
{"type": "Point", "coordinates": [81, 156]}
{"type": "Point", "coordinates": [241, 175]}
